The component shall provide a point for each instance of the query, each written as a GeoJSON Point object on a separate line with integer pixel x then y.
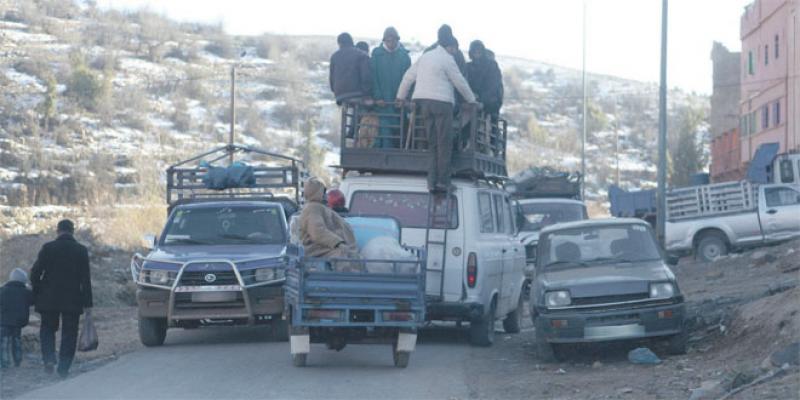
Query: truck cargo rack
{"type": "Point", "coordinates": [392, 139]}
{"type": "Point", "coordinates": [711, 200]}
{"type": "Point", "coordinates": [280, 174]}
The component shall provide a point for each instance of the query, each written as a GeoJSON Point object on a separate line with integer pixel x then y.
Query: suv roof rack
{"type": "Point", "coordinates": [279, 174]}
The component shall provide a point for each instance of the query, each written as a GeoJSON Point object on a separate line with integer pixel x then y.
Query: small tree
{"type": "Point", "coordinates": [686, 153]}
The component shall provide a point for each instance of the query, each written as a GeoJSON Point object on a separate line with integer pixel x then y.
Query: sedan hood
{"type": "Point", "coordinates": [608, 279]}
{"type": "Point", "coordinates": [221, 252]}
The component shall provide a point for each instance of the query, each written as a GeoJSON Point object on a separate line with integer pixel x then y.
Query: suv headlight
{"type": "Point", "coordinates": [661, 290]}
{"type": "Point", "coordinates": [557, 298]}
{"type": "Point", "coordinates": [268, 274]}
{"type": "Point", "coordinates": [158, 276]}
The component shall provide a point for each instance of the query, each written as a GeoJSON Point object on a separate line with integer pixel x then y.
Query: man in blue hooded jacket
{"type": "Point", "coordinates": [389, 63]}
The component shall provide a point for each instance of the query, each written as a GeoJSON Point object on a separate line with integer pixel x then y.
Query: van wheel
{"type": "Point", "coordinates": [513, 321]}
{"type": "Point", "coordinates": [711, 247]}
{"type": "Point", "coordinates": [152, 331]}
{"type": "Point", "coordinates": [481, 332]}
{"type": "Point", "coordinates": [280, 329]}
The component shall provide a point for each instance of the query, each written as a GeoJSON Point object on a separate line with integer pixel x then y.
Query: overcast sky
{"type": "Point", "coordinates": [623, 36]}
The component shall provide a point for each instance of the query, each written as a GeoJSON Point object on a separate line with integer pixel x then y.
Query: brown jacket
{"type": "Point", "coordinates": [322, 229]}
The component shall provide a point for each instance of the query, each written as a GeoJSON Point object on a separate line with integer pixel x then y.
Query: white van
{"type": "Point", "coordinates": [482, 278]}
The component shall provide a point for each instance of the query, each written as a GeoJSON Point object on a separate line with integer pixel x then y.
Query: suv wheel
{"type": "Point", "coordinates": [513, 321]}
{"type": "Point", "coordinates": [711, 247]}
{"type": "Point", "coordinates": [152, 331]}
{"type": "Point", "coordinates": [481, 332]}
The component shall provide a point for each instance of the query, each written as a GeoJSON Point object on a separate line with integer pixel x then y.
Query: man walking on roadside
{"type": "Point", "coordinates": [436, 75]}
{"type": "Point", "coordinates": [62, 291]}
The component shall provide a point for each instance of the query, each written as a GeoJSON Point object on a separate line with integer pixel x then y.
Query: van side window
{"type": "Point", "coordinates": [787, 173]}
{"type": "Point", "coordinates": [511, 227]}
{"type": "Point", "coordinates": [499, 213]}
{"type": "Point", "coordinates": [485, 210]}
{"type": "Point", "coordinates": [781, 196]}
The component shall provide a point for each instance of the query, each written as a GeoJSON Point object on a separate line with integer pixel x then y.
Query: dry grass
{"type": "Point", "coordinates": [124, 227]}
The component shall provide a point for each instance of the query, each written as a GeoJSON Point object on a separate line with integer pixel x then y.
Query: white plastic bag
{"type": "Point", "coordinates": [387, 248]}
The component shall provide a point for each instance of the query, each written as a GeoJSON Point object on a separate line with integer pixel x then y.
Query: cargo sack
{"type": "Point", "coordinates": [88, 340]}
{"type": "Point", "coordinates": [238, 175]}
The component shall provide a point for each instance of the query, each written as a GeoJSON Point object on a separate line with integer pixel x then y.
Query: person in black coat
{"type": "Point", "coordinates": [62, 290]}
{"type": "Point", "coordinates": [350, 75]}
{"type": "Point", "coordinates": [15, 303]}
{"type": "Point", "coordinates": [485, 78]}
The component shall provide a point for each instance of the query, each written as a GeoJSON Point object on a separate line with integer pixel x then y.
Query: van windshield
{"type": "Point", "coordinates": [597, 245]}
{"type": "Point", "coordinates": [225, 225]}
{"type": "Point", "coordinates": [410, 208]}
{"type": "Point", "coordinates": [535, 216]}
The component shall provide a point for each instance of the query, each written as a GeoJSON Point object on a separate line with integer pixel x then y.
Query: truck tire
{"type": "Point", "coordinates": [280, 329]}
{"type": "Point", "coordinates": [513, 321]}
{"type": "Point", "coordinates": [299, 360]}
{"type": "Point", "coordinates": [152, 331]}
{"type": "Point", "coordinates": [400, 358]}
{"type": "Point", "coordinates": [710, 247]}
{"type": "Point", "coordinates": [481, 331]}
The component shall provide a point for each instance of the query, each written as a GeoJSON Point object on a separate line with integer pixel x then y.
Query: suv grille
{"type": "Point", "coordinates": [619, 298]}
{"type": "Point", "coordinates": [198, 278]}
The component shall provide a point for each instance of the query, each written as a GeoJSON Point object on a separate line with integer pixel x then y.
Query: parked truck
{"type": "Point", "coordinates": [222, 254]}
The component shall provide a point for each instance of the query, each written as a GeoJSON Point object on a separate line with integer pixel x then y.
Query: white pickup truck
{"type": "Point", "coordinates": [711, 220]}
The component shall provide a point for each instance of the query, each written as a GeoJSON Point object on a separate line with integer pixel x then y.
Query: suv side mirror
{"type": "Point", "coordinates": [149, 240]}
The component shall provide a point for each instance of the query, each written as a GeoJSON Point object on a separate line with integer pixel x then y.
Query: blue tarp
{"type": "Point", "coordinates": [368, 228]}
{"type": "Point", "coordinates": [631, 204]}
{"type": "Point", "coordinates": [759, 170]}
{"type": "Point", "coordinates": [237, 175]}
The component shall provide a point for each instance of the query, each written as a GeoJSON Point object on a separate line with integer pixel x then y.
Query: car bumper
{"type": "Point", "coordinates": [579, 326]}
{"type": "Point", "coordinates": [264, 301]}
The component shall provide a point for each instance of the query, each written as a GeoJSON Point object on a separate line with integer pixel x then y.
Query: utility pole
{"type": "Point", "coordinates": [583, 113]}
{"type": "Point", "coordinates": [661, 219]}
{"type": "Point", "coordinates": [233, 111]}
{"type": "Point", "coordinates": [616, 143]}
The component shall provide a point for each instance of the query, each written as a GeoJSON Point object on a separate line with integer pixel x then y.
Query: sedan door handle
{"type": "Point", "coordinates": [772, 211]}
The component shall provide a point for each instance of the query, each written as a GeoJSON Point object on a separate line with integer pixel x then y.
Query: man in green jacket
{"type": "Point", "coordinates": [389, 63]}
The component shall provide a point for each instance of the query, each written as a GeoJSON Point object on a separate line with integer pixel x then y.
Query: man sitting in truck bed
{"type": "Point", "coordinates": [323, 232]}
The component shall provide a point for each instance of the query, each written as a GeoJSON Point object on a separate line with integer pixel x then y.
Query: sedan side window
{"type": "Point", "coordinates": [485, 210]}
{"type": "Point", "coordinates": [777, 197]}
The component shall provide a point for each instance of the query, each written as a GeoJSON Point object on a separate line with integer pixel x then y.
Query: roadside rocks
{"type": "Point", "coordinates": [643, 355]}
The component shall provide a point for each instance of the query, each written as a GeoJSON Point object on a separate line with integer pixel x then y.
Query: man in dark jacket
{"type": "Point", "coordinates": [388, 64]}
{"type": "Point", "coordinates": [350, 76]}
{"type": "Point", "coordinates": [486, 81]}
{"type": "Point", "coordinates": [15, 304]}
{"type": "Point", "coordinates": [62, 289]}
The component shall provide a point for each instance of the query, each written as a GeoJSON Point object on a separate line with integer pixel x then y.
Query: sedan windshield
{"type": "Point", "coordinates": [225, 225]}
{"type": "Point", "coordinates": [598, 245]}
{"type": "Point", "coordinates": [534, 217]}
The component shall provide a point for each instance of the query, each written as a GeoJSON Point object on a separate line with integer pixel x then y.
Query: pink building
{"type": "Point", "coordinates": [770, 86]}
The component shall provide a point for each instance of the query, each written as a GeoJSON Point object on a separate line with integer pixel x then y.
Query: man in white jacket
{"type": "Point", "coordinates": [436, 75]}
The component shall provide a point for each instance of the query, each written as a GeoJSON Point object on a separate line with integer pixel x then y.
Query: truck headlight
{"type": "Point", "coordinates": [661, 290]}
{"type": "Point", "coordinates": [158, 276]}
{"type": "Point", "coordinates": [265, 274]}
{"type": "Point", "coordinates": [557, 298]}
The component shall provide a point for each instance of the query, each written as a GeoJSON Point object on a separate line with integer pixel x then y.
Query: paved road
{"type": "Point", "coordinates": [223, 362]}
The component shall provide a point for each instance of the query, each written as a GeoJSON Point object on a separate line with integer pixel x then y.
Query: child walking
{"type": "Point", "coordinates": [15, 302]}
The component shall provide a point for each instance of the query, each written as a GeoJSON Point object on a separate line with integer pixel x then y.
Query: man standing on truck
{"type": "Point", "coordinates": [62, 291]}
{"type": "Point", "coordinates": [436, 76]}
{"type": "Point", "coordinates": [389, 62]}
{"type": "Point", "coordinates": [350, 76]}
{"type": "Point", "coordinates": [323, 232]}
{"type": "Point", "coordinates": [485, 79]}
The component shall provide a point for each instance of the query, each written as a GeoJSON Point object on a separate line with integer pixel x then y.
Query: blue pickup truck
{"type": "Point", "coordinates": [222, 255]}
{"type": "Point", "coordinates": [382, 302]}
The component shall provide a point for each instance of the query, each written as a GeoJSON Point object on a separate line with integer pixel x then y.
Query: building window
{"type": "Point", "coordinates": [777, 113]}
{"type": "Point", "coordinates": [743, 125]}
{"type": "Point", "coordinates": [776, 46]}
{"type": "Point", "coordinates": [750, 66]}
{"type": "Point", "coordinates": [766, 55]}
{"type": "Point", "coordinates": [765, 116]}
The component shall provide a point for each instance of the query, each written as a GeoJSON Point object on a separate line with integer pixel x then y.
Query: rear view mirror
{"type": "Point", "coordinates": [149, 240]}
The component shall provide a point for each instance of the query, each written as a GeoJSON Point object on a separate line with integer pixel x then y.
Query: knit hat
{"type": "Point", "coordinates": [18, 275]}
{"type": "Point", "coordinates": [445, 36]}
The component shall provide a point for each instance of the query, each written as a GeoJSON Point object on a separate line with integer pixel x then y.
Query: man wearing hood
{"type": "Point", "coordinates": [15, 303]}
{"type": "Point", "coordinates": [323, 233]}
{"type": "Point", "coordinates": [388, 64]}
{"type": "Point", "coordinates": [436, 75]}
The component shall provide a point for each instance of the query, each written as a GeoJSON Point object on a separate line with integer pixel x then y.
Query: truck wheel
{"type": "Point", "coordinates": [299, 360]}
{"type": "Point", "coordinates": [280, 329]}
{"type": "Point", "coordinates": [676, 345]}
{"type": "Point", "coordinates": [711, 247]}
{"type": "Point", "coordinates": [400, 357]}
{"type": "Point", "coordinates": [513, 321]}
{"type": "Point", "coordinates": [152, 331]}
{"type": "Point", "coordinates": [481, 332]}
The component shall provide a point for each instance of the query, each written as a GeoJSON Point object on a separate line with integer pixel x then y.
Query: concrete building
{"type": "Point", "coordinates": [726, 162]}
{"type": "Point", "coordinates": [770, 65]}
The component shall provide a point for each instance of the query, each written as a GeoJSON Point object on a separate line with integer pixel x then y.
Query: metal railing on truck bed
{"type": "Point", "coordinates": [392, 139]}
{"type": "Point", "coordinates": [711, 200]}
{"type": "Point", "coordinates": [274, 174]}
